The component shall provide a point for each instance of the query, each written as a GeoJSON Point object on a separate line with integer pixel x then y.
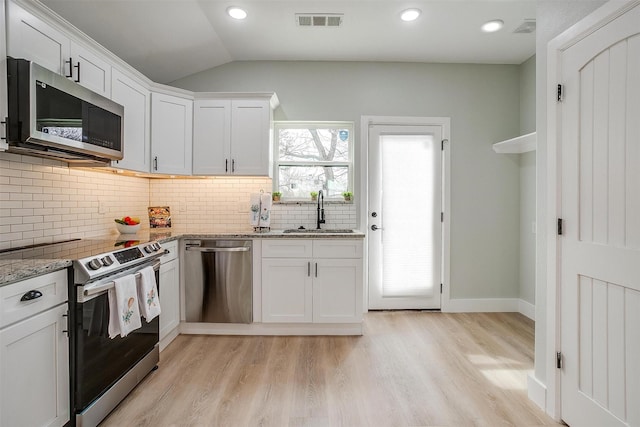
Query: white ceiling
{"type": "Point", "coordinates": [170, 39]}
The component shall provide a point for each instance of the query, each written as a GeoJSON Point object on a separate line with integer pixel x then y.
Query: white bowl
{"type": "Point", "coordinates": [127, 229]}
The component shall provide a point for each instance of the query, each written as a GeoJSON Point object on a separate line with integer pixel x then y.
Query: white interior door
{"type": "Point", "coordinates": [600, 245]}
{"type": "Point", "coordinates": [404, 226]}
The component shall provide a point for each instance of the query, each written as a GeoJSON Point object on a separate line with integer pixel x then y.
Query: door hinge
{"type": "Point", "coordinates": [441, 216]}
{"type": "Point", "coordinates": [560, 226]}
{"type": "Point", "coordinates": [560, 93]}
{"type": "Point", "coordinates": [559, 359]}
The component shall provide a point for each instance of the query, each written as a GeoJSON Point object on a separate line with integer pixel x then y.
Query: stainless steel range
{"type": "Point", "coordinates": [104, 370]}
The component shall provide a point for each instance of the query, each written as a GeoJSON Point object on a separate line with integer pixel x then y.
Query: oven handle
{"type": "Point", "coordinates": [108, 285]}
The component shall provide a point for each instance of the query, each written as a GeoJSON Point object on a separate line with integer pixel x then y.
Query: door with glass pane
{"type": "Point", "coordinates": [404, 223]}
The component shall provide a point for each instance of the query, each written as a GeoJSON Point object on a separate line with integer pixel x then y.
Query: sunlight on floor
{"type": "Point", "coordinates": [502, 372]}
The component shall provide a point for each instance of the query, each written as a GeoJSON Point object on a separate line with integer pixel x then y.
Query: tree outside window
{"type": "Point", "coordinates": [313, 156]}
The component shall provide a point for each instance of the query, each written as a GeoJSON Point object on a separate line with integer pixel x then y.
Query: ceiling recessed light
{"type": "Point", "coordinates": [492, 26]}
{"type": "Point", "coordinates": [236, 12]}
{"type": "Point", "coordinates": [410, 15]}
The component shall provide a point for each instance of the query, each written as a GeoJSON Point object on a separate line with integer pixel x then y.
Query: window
{"type": "Point", "coordinates": [312, 156]}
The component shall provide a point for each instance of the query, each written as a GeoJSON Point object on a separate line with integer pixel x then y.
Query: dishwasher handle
{"type": "Point", "coordinates": [229, 249]}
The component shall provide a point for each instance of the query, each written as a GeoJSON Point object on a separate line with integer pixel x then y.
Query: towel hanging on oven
{"type": "Point", "coordinates": [124, 314]}
{"type": "Point", "coordinates": [148, 294]}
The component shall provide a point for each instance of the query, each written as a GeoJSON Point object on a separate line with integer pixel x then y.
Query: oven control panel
{"type": "Point", "coordinates": [128, 255]}
{"type": "Point", "coordinates": [98, 265]}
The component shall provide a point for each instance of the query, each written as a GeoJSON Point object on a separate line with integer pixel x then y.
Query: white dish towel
{"type": "Point", "coordinates": [124, 314]}
{"type": "Point", "coordinates": [148, 294]}
{"type": "Point", "coordinates": [260, 209]}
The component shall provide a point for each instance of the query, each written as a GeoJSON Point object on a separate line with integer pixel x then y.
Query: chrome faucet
{"type": "Point", "coordinates": [320, 210]}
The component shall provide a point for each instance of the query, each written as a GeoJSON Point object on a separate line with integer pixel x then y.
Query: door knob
{"type": "Point", "coordinates": [375, 227]}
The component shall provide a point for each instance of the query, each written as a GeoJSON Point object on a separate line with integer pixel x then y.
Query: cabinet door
{"type": "Point", "coordinates": [286, 291]}
{"type": "Point", "coordinates": [169, 297]}
{"type": "Point", "coordinates": [250, 137]}
{"type": "Point", "coordinates": [211, 137]}
{"type": "Point", "coordinates": [31, 38]}
{"type": "Point", "coordinates": [337, 291]}
{"type": "Point", "coordinates": [91, 70]}
{"type": "Point", "coordinates": [171, 134]}
{"type": "Point", "coordinates": [3, 81]}
{"type": "Point", "coordinates": [34, 371]}
{"type": "Point", "coordinates": [136, 101]}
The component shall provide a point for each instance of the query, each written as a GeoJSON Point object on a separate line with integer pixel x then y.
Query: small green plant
{"type": "Point", "coordinates": [348, 195]}
{"type": "Point", "coordinates": [276, 196]}
{"type": "Point", "coordinates": [314, 194]}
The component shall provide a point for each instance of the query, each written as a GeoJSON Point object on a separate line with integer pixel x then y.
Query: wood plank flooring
{"type": "Point", "coordinates": [408, 369]}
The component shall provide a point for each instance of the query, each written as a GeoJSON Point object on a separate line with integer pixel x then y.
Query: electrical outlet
{"type": "Point", "coordinates": [102, 207]}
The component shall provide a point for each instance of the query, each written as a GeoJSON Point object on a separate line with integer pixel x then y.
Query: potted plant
{"type": "Point", "coordinates": [314, 196]}
{"type": "Point", "coordinates": [348, 196]}
{"type": "Point", "coordinates": [275, 196]}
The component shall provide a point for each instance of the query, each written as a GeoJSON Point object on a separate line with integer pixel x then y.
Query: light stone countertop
{"type": "Point", "coordinates": [16, 270]}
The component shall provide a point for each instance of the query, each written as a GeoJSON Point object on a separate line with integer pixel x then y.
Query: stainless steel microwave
{"type": "Point", "coordinates": [54, 117]}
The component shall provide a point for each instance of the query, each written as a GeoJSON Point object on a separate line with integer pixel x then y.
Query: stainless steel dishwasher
{"type": "Point", "coordinates": [218, 281]}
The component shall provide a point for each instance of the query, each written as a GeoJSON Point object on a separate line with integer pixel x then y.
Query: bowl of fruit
{"type": "Point", "coordinates": [128, 224]}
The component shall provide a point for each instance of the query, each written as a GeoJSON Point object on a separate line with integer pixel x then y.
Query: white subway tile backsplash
{"type": "Point", "coordinates": [43, 200]}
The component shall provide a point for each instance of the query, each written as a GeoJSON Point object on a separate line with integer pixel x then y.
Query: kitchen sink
{"type": "Point", "coordinates": [312, 230]}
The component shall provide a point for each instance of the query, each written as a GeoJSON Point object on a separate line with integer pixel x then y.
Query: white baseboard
{"type": "Point", "coordinates": [164, 342]}
{"type": "Point", "coordinates": [490, 305]}
{"type": "Point", "coordinates": [537, 391]}
{"type": "Point", "coordinates": [482, 305]}
{"type": "Point", "coordinates": [271, 328]}
{"type": "Point", "coordinates": [527, 309]}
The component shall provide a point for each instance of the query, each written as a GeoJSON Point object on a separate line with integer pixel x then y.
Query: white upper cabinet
{"type": "Point", "coordinates": [3, 81]}
{"type": "Point", "coordinates": [211, 136]}
{"type": "Point", "coordinates": [171, 134]}
{"type": "Point", "coordinates": [136, 100]}
{"type": "Point", "coordinates": [32, 38]}
{"type": "Point", "coordinates": [233, 136]}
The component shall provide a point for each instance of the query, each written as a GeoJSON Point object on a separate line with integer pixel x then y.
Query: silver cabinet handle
{"type": "Point", "coordinates": [155, 163]}
{"type": "Point", "coordinates": [231, 249]}
{"type": "Point", "coordinates": [309, 269]}
{"type": "Point", "coordinates": [233, 165]}
{"type": "Point", "coordinates": [316, 269]}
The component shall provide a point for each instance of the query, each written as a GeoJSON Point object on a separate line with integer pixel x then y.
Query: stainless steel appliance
{"type": "Point", "coordinates": [218, 281]}
{"type": "Point", "coordinates": [104, 370]}
{"type": "Point", "coordinates": [54, 117]}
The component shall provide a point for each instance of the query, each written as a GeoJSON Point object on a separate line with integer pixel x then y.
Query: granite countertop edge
{"type": "Point", "coordinates": [12, 271]}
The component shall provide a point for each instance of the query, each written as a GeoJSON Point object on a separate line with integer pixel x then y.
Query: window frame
{"type": "Point", "coordinates": [304, 124]}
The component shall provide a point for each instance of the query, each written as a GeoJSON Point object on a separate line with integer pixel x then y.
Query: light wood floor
{"type": "Point", "coordinates": [408, 369]}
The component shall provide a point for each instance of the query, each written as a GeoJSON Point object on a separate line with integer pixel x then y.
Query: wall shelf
{"type": "Point", "coordinates": [520, 144]}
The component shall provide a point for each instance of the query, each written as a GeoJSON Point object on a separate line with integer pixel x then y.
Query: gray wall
{"type": "Point", "coordinates": [553, 17]}
{"type": "Point", "coordinates": [528, 183]}
{"type": "Point", "coordinates": [483, 104]}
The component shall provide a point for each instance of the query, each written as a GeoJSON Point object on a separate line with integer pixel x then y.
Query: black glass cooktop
{"type": "Point", "coordinates": [73, 249]}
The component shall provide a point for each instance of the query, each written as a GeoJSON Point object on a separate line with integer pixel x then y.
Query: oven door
{"type": "Point", "coordinates": [100, 361]}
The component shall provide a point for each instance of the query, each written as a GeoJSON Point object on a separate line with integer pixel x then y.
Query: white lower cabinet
{"type": "Point", "coordinates": [169, 293]}
{"type": "Point", "coordinates": [34, 353]}
{"type": "Point", "coordinates": [303, 281]}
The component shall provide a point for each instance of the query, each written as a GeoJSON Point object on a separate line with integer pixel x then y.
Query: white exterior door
{"type": "Point", "coordinates": [404, 217]}
{"type": "Point", "coordinates": [600, 245]}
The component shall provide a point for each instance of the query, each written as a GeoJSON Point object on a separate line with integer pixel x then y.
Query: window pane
{"type": "Point", "coordinates": [299, 181]}
{"type": "Point", "coordinates": [313, 145]}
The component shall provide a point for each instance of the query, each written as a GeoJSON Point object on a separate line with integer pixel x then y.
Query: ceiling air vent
{"type": "Point", "coordinates": [528, 26]}
{"type": "Point", "coordinates": [319, 19]}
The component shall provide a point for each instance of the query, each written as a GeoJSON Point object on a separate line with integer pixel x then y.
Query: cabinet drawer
{"type": "Point", "coordinates": [172, 247]}
{"type": "Point", "coordinates": [52, 286]}
{"type": "Point", "coordinates": [289, 248]}
{"type": "Point", "coordinates": [337, 248]}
